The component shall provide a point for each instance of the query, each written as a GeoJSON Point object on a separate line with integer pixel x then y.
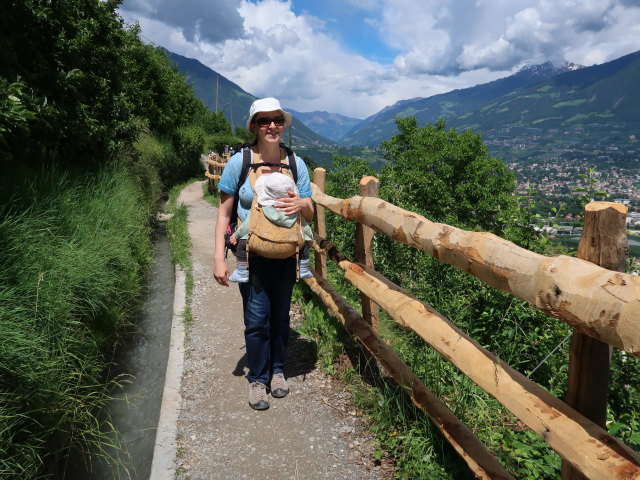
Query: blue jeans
{"type": "Point", "coordinates": [266, 299]}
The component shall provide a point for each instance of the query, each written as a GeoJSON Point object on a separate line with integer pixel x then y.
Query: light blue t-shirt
{"type": "Point", "coordinates": [231, 176]}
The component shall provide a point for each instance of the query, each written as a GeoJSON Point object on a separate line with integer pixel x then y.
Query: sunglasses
{"type": "Point", "coordinates": [266, 121]}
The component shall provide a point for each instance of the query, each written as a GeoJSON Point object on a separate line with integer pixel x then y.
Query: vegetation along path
{"type": "Point", "coordinates": [310, 434]}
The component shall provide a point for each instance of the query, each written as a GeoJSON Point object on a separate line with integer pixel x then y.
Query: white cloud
{"type": "Point", "coordinates": [208, 20]}
{"type": "Point", "coordinates": [456, 35]}
{"type": "Point", "coordinates": [268, 50]}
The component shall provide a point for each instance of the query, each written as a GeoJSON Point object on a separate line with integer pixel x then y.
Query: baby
{"type": "Point", "coordinates": [269, 188]}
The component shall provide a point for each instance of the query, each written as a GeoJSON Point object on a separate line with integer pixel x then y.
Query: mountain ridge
{"type": "Point", "coordinates": [330, 125]}
{"type": "Point", "coordinates": [221, 94]}
{"type": "Point", "coordinates": [381, 125]}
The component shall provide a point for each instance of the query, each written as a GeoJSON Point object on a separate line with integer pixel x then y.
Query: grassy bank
{"type": "Point", "coordinates": [521, 336]}
{"type": "Point", "coordinates": [73, 251]}
{"type": "Point", "coordinates": [181, 243]}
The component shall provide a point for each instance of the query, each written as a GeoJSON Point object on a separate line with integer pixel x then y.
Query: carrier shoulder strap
{"type": "Point", "coordinates": [293, 166]}
{"type": "Point", "coordinates": [246, 163]}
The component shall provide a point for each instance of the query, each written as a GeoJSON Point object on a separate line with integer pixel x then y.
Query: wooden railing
{"type": "Point", "coordinates": [602, 306]}
{"type": "Point", "coordinates": [215, 166]}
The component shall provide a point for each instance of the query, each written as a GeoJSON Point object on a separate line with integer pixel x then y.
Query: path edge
{"type": "Point", "coordinates": [165, 449]}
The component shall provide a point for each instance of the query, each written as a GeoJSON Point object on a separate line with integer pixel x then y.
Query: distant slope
{"type": "Point", "coordinates": [233, 100]}
{"type": "Point", "coordinates": [587, 113]}
{"type": "Point", "coordinates": [381, 126]}
{"type": "Point", "coordinates": [594, 94]}
{"type": "Point", "coordinates": [330, 125]}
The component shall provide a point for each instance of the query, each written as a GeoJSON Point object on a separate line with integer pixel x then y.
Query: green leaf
{"type": "Point", "coordinates": [635, 438]}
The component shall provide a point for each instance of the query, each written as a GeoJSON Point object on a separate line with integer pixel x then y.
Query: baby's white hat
{"type": "Point", "coordinates": [273, 186]}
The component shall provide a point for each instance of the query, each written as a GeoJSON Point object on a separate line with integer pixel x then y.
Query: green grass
{"type": "Point", "coordinates": [181, 243]}
{"type": "Point", "coordinates": [212, 198]}
{"type": "Point", "coordinates": [73, 251]}
{"type": "Point", "coordinates": [570, 103]}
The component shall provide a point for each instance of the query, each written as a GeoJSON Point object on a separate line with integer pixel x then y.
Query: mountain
{"type": "Point", "coordinates": [220, 94]}
{"type": "Point", "coordinates": [456, 103]}
{"type": "Point", "coordinates": [590, 114]}
{"type": "Point", "coordinates": [330, 125]}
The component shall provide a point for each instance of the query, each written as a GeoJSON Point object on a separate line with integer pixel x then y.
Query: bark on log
{"type": "Point", "coordinates": [597, 302]}
{"type": "Point", "coordinates": [586, 446]}
{"type": "Point", "coordinates": [216, 164]}
{"type": "Point", "coordinates": [604, 239]}
{"type": "Point", "coordinates": [482, 463]}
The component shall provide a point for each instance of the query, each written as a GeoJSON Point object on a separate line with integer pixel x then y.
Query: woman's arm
{"type": "Point", "coordinates": [220, 268]}
{"type": "Point", "coordinates": [294, 204]}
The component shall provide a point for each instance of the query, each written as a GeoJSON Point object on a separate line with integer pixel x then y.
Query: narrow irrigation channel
{"type": "Point", "coordinates": [135, 409]}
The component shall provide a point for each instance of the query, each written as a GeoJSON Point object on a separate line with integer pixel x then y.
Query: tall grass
{"type": "Point", "coordinates": [73, 247]}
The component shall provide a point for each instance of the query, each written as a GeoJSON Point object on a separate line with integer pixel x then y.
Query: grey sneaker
{"type": "Point", "coordinates": [279, 386]}
{"type": "Point", "coordinates": [258, 396]}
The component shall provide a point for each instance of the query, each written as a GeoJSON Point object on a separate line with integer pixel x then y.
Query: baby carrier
{"type": "Point", "coordinates": [267, 239]}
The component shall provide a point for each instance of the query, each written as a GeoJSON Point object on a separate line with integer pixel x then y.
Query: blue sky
{"type": "Point", "coordinates": [355, 57]}
{"type": "Point", "coordinates": [347, 24]}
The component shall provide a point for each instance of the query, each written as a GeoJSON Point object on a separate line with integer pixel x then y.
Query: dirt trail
{"type": "Point", "coordinates": [310, 434]}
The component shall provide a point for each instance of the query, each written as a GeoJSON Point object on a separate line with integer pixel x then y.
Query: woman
{"type": "Point", "coordinates": [267, 296]}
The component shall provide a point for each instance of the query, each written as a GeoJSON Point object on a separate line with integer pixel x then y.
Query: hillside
{"type": "Point", "coordinates": [586, 114]}
{"type": "Point", "coordinates": [450, 105]}
{"type": "Point", "coordinates": [233, 100]}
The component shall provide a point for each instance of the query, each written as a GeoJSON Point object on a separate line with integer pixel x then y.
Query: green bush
{"type": "Point", "coordinates": [187, 143]}
{"type": "Point", "coordinates": [218, 141]}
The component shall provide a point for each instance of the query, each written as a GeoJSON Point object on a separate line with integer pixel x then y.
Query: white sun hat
{"type": "Point", "coordinates": [273, 186]}
{"type": "Point", "coordinates": [267, 105]}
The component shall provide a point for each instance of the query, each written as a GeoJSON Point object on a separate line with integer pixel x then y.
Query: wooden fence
{"type": "Point", "coordinates": [601, 304]}
{"type": "Point", "coordinates": [215, 165]}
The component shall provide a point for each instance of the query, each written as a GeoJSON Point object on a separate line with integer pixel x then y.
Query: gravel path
{"type": "Point", "coordinates": [313, 433]}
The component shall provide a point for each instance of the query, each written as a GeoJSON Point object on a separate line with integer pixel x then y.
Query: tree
{"type": "Point", "coordinates": [588, 190]}
{"type": "Point", "coordinates": [447, 176]}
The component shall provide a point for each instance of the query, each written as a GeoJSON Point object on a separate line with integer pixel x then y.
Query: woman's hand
{"type": "Point", "coordinates": [294, 204]}
{"type": "Point", "coordinates": [221, 272]}
{"type": "Point", "coordinates": [233, 240]}
{"type": "Point", "coordinates": [220, 269]}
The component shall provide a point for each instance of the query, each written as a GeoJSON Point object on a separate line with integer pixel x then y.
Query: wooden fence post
{"type": "Point", "coordinates": [319, 176]}
{"type": "Point", "coordinates": [369, 187]}
{"type": "Point", "coordinates": [603, 242]}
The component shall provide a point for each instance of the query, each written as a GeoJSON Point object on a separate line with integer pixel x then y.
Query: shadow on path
{"type": "Point", "coordinates": [302, 356]}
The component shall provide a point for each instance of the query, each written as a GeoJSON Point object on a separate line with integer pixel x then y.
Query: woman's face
{"type": "Point", "coordinates": [268, 126]}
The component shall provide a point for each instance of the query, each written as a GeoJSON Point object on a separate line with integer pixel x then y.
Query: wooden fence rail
{"type": "Point", "coordinates": [575, 438]}
{"type": "Point", "coordinates": [595, 301]}
{"type": "Point", "coordinates": [215, 165]}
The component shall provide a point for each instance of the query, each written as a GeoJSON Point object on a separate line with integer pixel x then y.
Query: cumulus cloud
{"type": "Point", "coordinates": [209, 20]}
{"type": "Point", "coordinates": [267, 49]}
{"type": "Point", "coordinates": [463, 35]}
